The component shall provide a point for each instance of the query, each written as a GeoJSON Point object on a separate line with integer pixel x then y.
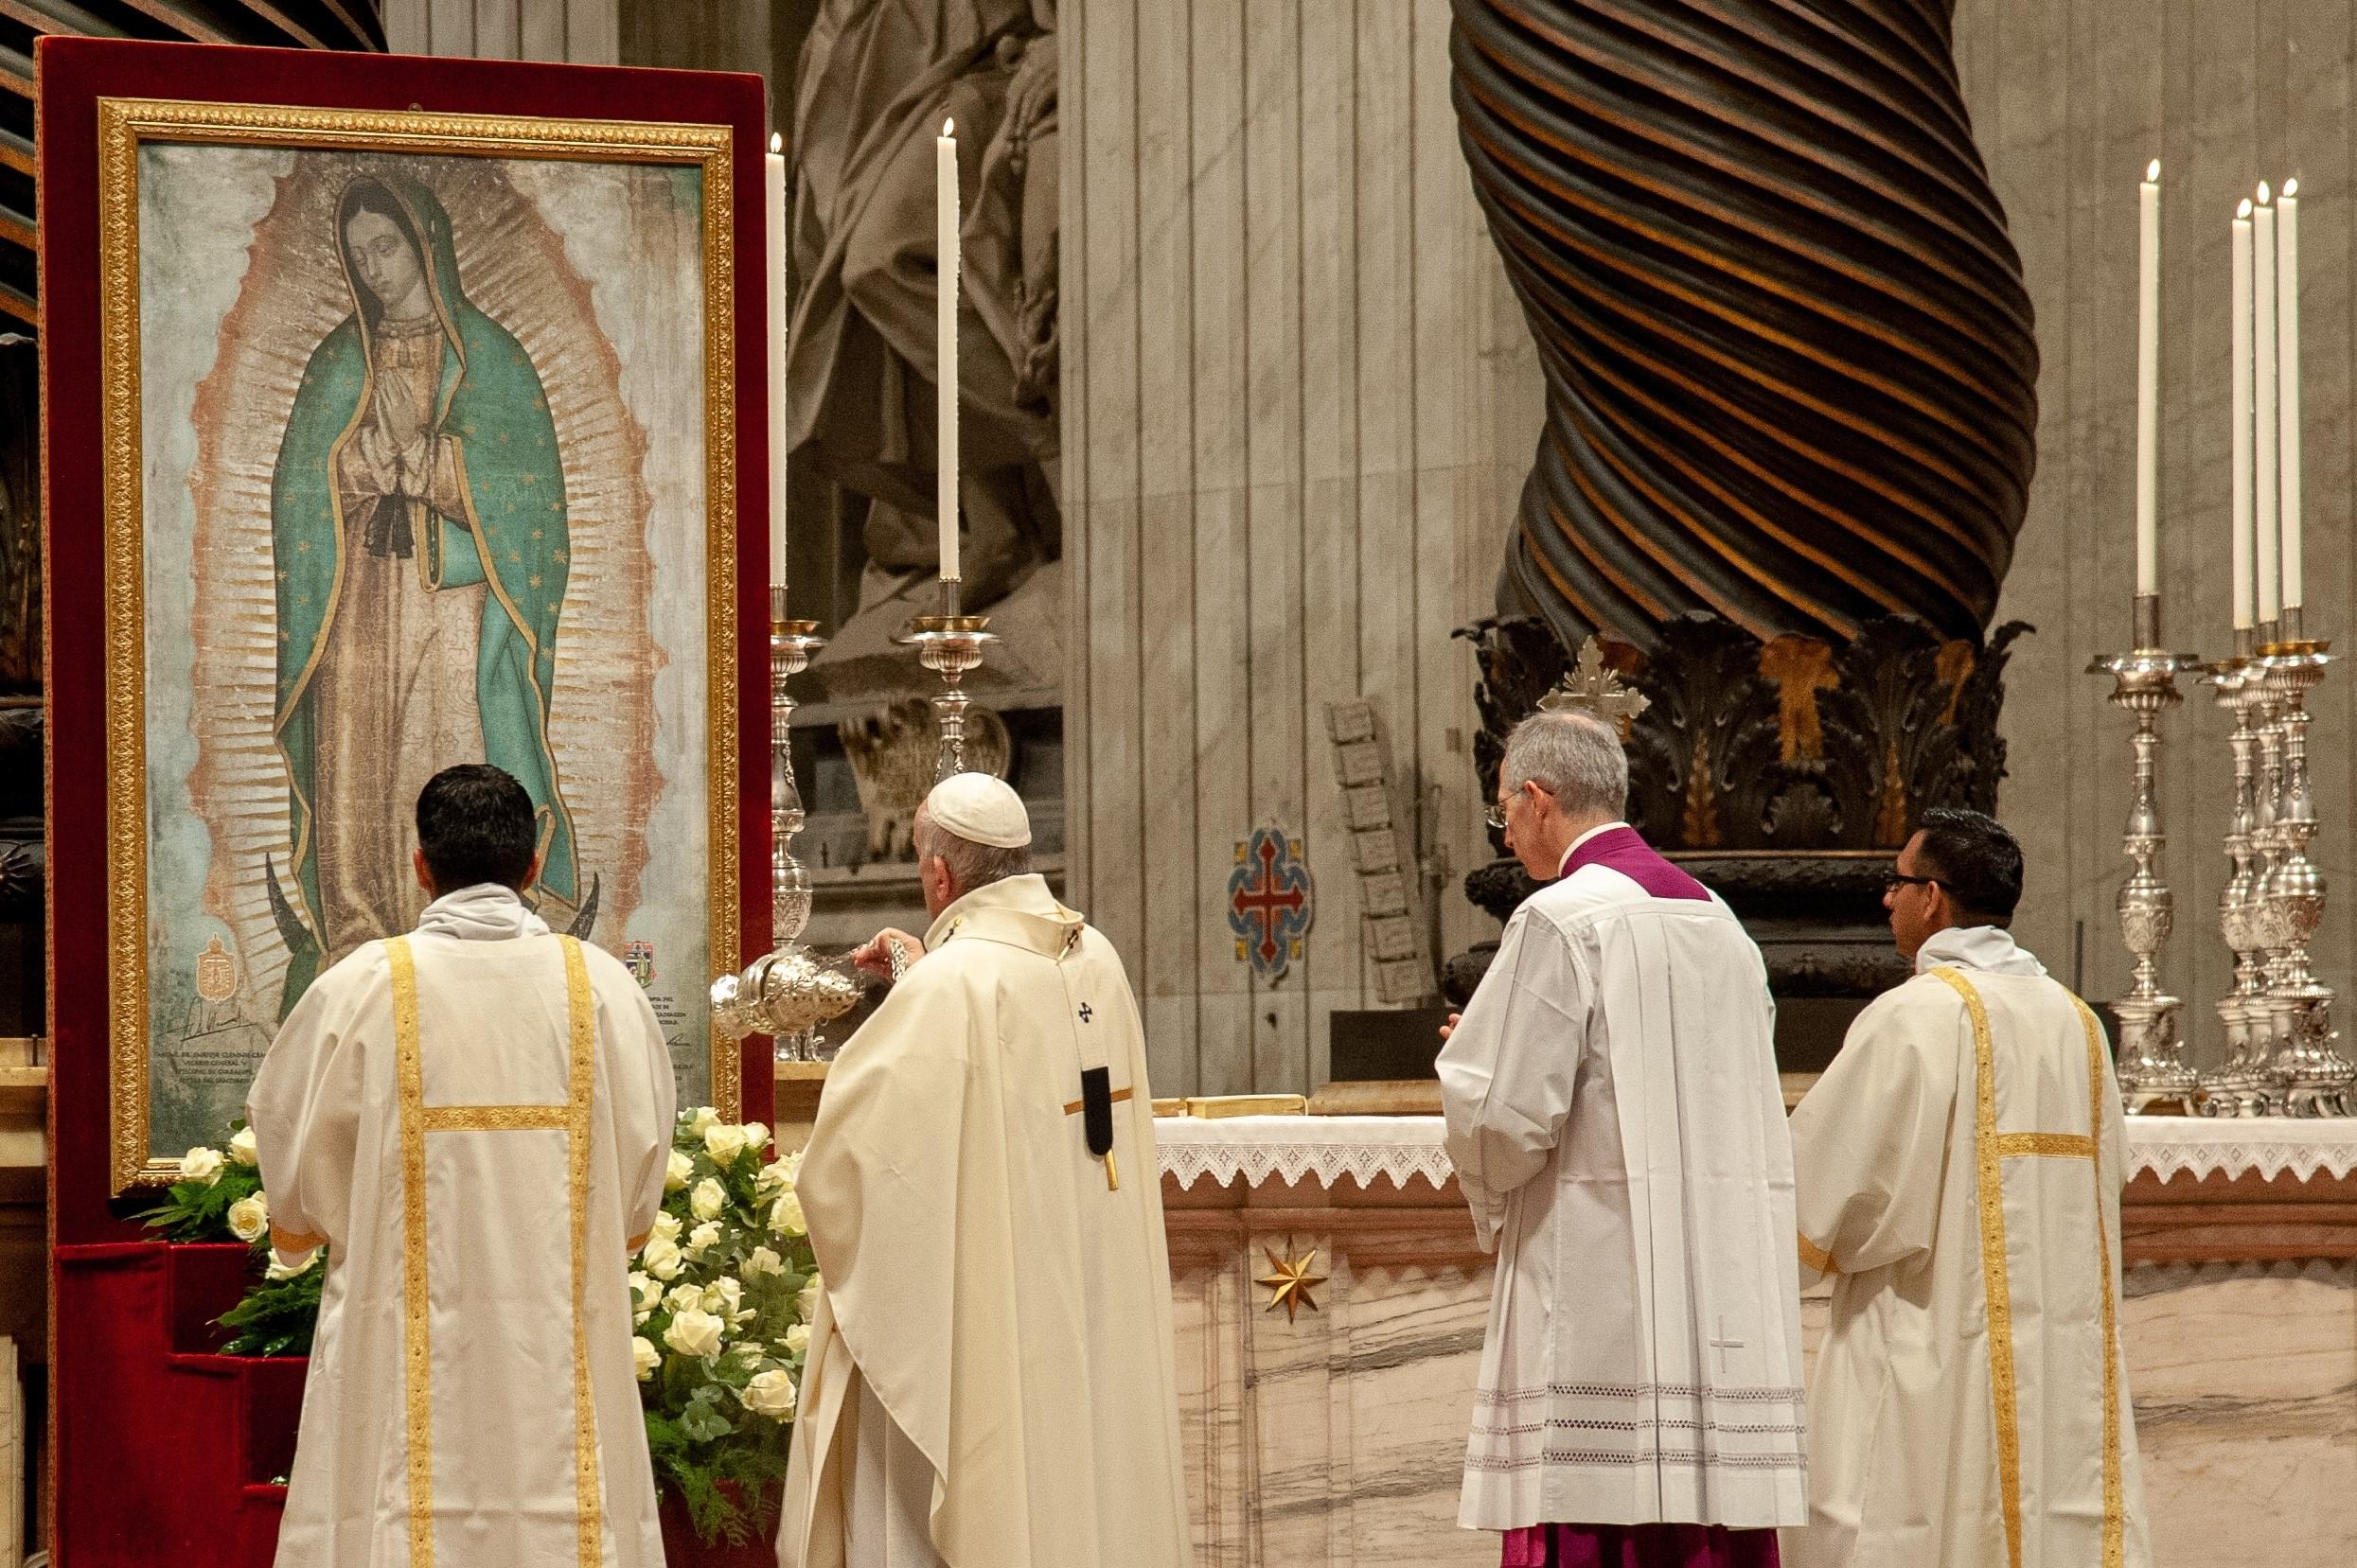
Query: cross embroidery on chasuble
{"type": "Point", "coordinates": [418, 1119]}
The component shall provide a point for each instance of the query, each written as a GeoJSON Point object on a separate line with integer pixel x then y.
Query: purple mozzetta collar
{"type": "Point", "coordinates": [1622, 850]}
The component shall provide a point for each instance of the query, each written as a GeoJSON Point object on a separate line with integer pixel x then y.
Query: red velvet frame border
{"type": "Point", "coordinates": [71, 75]}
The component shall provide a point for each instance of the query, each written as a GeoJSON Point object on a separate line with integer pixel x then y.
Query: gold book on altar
{"type": "Point", "coordinates": [1214, 1106]}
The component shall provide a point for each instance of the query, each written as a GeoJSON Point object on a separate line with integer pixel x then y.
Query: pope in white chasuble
{"type": "Point", "coordinates": [990, 1380]}
{"type": "Point", "coordinates": [474, 1119]}
{"type": "Point", "coordinates": [1618, 1127]}
{"type": "Point", "coordinates": [1959, 1169]}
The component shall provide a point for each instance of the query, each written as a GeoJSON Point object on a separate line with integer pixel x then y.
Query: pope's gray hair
{"type": "Point", "coordinates": [1577, 757]}
{"type": "Point", "coordinates": [970, 864]}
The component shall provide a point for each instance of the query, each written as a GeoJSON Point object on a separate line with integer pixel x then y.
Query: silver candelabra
{"type": "Point", "coordinates": [950, 643]}
{"type": "Point", "coordinates": [2238, 1087]}
{"type": "Point", "coordinates": [788, 992]}
{"type": "Point", "coordinates": [2311, 1076]}
{"type": "Point", "coordinates": [2152, 1064]}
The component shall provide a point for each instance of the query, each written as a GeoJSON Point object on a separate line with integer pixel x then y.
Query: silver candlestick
{"type": "Point", "coordinates": [2313, 1078]}
{"type": "Point", "coordinates": [950, 643]}
{"type": "Point", "coordinates": [2152, 1064]}
{"type": "Point", "coordinates": [2237, 1087]}
{"type": "Point", "coordinates": [786, 993]}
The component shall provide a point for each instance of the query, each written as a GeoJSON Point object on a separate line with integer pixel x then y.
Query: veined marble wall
{"type": "Point", "coordinates": [1299, 404]}
{"type": "Point", "coordinates": [1335, 1440]}
{"type": "Point", "coordinates": [2069, 98]}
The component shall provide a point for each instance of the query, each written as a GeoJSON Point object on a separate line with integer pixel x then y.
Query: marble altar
{"type": "Point", "coordinates": [1333, 1438]}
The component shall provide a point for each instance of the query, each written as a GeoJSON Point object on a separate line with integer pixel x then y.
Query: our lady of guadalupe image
{"type": "Point", "coordinates": [419, 531]}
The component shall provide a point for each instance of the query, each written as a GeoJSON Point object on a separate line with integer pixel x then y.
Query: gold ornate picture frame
{"type": "Point", "coordinates": [252, 381]}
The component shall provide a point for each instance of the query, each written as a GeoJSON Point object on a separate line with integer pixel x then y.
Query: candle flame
{"type": "Point", "coordinates": [2151, 172]}
{"type": "Point", "coordinates": [948, 128]}
{"type": "Point", "coordinates": [2290, 188]}
{"type": "Point", "coordinates": [777, 143]}
{"type": "Point", "coordinates": [2262, 193]}
{"type": "Point", "coordinates": [2242, 212]}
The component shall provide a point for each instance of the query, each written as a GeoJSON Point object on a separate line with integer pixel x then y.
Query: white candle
{"type": "Point", "coordinates": [2242, 443]}
{"type": "Point", "coordinates": [773, 171]}
{"type": "Point", "coordinates": [2148, 380]}
{"type": "Point", "coordinates": [946, 322]}
{"type": "Point", "coordinates": [2264, 415]}
{"type": "Point", "coordinates": [2287, 400]}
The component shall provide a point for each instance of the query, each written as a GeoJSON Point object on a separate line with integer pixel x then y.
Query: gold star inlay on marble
{"type": "Point", "coordinates": [1290, 1283]}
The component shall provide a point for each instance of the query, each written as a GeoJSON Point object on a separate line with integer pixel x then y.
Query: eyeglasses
{"type": "Point", "coordinates": [1496, 816]}
{"type": "Point", "coordinates": [1900, 879]}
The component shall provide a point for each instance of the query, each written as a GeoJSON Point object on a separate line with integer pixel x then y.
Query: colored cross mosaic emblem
{"type": "Point", "coordinates": [1269, 901]}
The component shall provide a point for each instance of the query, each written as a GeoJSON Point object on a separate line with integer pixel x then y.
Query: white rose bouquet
{"type": "Point", "coordinates": [721, 1298]}
{"type": "Point", "coordinates": [219, 1197]}
{"type": "Point", "coordinates": [214, 1180]}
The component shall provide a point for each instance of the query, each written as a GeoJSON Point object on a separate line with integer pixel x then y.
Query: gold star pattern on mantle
{"type": "Point", "coordinates": [1290, 1284]}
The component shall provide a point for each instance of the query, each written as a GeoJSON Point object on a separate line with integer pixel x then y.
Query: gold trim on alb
{"type": "Point", "coordinates": [124, 124]}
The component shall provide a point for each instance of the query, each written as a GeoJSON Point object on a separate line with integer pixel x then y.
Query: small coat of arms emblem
{"type": "Point", "coordinates": [1269, 901]}
{"type": "Point", "coordinates": [216, 973]}
{"type": "Point", "coordinates": [639, 958]}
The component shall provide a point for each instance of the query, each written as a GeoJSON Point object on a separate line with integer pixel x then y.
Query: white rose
{"type": "Point", "coordinates": [644, 1293]}
{"type": "Point", "coordinates": [786, 1216]}
{"type": "Point", "coordinates": [675, 1176]}
{"type": "Point", "coordinates": [701, 1118]}
{"type": "Point", "coordinates": [757, 1135]}
{"type": "Point", "coordinates": [703, 1239]}
{"type": "Point", "coordinates": [708, 1199]}
{"type": "Point", "coordinates": [201, 1164]}
{"type": "Point", "coordinates": [798, 1339]}
{"type": "Point", "coordinates": [774, 1177]}
{"type": "Point", "coordinates": [724, 1142]}
{"type": "Point", "coordinates": [765, 1261]}
{"type": "Point", "coordinates": [694, 1334]}
{"type": "Point", "coordinates": [727, 1299]}
{"type": "Point", "coordinates": [241, 1148]}
{"type": "Point", "coordinates": [770, 1394]}
{"type": "Point", "coordinates": [751, 1355]}
{"type": "Point", "coordinates": [686, 1296]}
{"type": "Point", "coordinates": [645, 1356]}
{"type": "Point", "coordinates": [662, 1257]}
{"type": "Point", "coordinates": [280, 1271]}
{"type": "Point", "coordinates": [249, 1218]}
{"type": "Point", "coordinates": [807, 1302]}
{"type": "Point", "coordinates": [666, 1226]}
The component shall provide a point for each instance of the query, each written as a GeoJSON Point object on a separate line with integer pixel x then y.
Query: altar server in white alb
{"type": "Point", "coordinates": [1617, 1125]}
{"type": "Point", "coordinates": [474, 1119]}
{"type": "Point", "coordinates": [1958, 1168]}
{"type": "Point", "coordinates": [990, 1380]}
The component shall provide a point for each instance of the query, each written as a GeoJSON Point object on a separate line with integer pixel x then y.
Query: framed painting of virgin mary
{"type": "Point", "coordinates": [418, 449]}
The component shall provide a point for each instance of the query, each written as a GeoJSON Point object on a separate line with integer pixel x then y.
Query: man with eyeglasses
{"type": "Point", "coordinates": [1618, 1129]}
{"type": "Point", "coordinates": [1959, 1169]}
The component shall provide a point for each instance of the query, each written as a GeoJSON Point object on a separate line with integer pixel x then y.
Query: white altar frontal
{"type": "Point", "coordinates": [1324, 1424]}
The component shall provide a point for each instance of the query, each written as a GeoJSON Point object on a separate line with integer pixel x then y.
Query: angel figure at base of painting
{"type": "Point", "coordinates": [419, 531]}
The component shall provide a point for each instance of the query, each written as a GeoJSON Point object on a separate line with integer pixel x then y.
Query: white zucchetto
{"type": "Point", "coordinates": [979, 809]}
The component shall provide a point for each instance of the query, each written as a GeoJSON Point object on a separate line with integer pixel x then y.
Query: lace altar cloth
{"type": "Point", "coordinates": [2202, 1146]}
{"type": "Point", "coordinates": [1328, 1148]}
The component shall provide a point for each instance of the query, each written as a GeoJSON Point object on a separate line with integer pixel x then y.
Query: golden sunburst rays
{"type": "Point", "coordinates": [515, 269]}
{"type": "Point", "coordinates": [1291, 1280]}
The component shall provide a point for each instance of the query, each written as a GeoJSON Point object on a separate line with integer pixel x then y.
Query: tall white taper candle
{"type": "Point", "coordinates": [2148, 380]}
{"type": "Point", "coordinates": [2287, 400]}
{"type": "Point", "coordinates": [773, 196]}
{"type": "Point", "coordinates": [946, 360]}
{"type": "Point", "coordinates": [2263, 389]}
{"type": "Point", "coordinates": [2242, 443]}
